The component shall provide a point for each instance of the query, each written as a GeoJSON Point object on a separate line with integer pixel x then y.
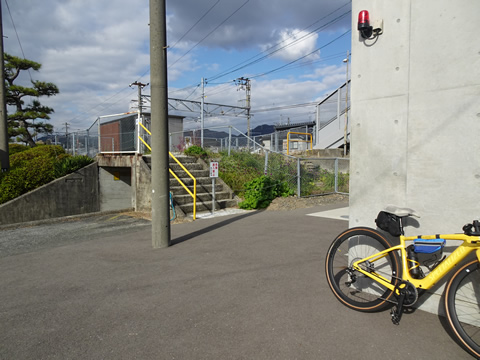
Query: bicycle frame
{"type": "Point", "coordinates": [470, 244]}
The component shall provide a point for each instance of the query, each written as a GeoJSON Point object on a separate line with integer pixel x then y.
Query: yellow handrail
{"type": "Point", "coordinates": [194, 194]}
{"type": "Point", "coordinates": [298, 133]}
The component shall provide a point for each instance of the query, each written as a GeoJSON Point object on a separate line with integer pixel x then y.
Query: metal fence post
{"type": "Point", "coordinates": [265, 171]}
{"type": "Point", "coordinates": [87, 138]}
{"type": "Point", "coordinates": [73, 144]}
{"type": "Point", "coordinates": [229, 139]}
{"type": "Point", "coordinates": [298, 178]}
{"type": "Point", "coordinates": [99, 136]}
{"type": "Point", "coordinates": [336, 175]}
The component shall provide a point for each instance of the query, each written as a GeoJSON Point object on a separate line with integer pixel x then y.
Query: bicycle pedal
{"type": "Point", "coordinates": [395, 317]}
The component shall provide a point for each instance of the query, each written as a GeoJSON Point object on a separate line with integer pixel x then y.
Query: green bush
{"type": "Point", "coordinates": [70, 164]}
{"type": "Point", "coordinates": [239, 168]}
{"type": "Point", "coordinates": [195, 150]}
{"type": "Point", "coordinates": [22, 158]}
{"type": "Point", "coordinates": [260, 192]}
{"type": "Point", "coordinates": [21, 179]}
{"type": "Point", "coordinates": [16, 148]}
{"type": "Point", "coordinates": [35, 167]}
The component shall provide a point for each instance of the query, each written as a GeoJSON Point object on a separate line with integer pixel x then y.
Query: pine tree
{"type": "Point", "coordinates": [21, 123]}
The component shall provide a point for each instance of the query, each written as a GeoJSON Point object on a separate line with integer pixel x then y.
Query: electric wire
{"type": "Point", "coordinates": [210, 33]}
{"type": "Point", "coordinates": [18, 37]}
{"type": "Point", "coordinates": [244, 64]}
{"type": "Point", "coordinates": [302, 57]}
{"type": "Point", "coordinates": [188, 31]}
{"type": "Point", "coordinates": [237, 67]}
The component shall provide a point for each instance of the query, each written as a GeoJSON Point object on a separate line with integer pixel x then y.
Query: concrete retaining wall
{"type": "Point", "coordinates": [74, 194]}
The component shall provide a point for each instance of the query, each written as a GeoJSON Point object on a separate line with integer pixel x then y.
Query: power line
{"type": "Point", "coordinates": [198, 43]}
{"type": "Point", "coordinates": [18, 37]}
{"type": "Point", "coordinates": [285, 107]}
{"type": "Point", "coordinates": [246, 63]}
{"type": "Point", "coordinates": [173, 46]}
{"type": "Point", "coordinates": [302, 57]}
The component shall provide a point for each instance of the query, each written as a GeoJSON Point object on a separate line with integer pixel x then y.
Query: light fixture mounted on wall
{"type": "Point", "coordinates": [366, 30]}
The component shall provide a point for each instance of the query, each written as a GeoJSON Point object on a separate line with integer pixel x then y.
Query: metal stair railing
{"type": "Point", "coordinates": [192, 194]}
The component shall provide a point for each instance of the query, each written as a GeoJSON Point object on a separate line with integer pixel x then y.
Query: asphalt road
{"type": "Point", "coordinates": [245, 286]}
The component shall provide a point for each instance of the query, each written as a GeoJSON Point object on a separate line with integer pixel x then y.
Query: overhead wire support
{"type": "Point", "coordinates": [210, 109]}
{"type": "Point", "coordinates": [244, 83]}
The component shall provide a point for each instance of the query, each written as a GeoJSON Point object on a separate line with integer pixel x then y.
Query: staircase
{"type": "Point", "coordinates": [183, 201]}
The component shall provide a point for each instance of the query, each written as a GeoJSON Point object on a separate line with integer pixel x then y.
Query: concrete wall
{"type": "Point", "coordinates": [115, 188]}
{"type": "Point", "coordinates": [73, 194]}
{"type": "Point", "coordinates": [143, 188]}
{"type": "Point", "coordinates": [415, 119]}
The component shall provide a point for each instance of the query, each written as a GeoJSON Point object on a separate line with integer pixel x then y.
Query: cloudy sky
{"type": "Point", "coordinates": [93, 49]}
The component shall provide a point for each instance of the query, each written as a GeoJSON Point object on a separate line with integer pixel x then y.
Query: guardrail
{"type": "Point", "coordinates": [298, 133]}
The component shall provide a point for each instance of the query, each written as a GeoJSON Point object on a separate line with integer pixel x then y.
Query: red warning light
{"type": "Point", "coordinates": [364, 24]}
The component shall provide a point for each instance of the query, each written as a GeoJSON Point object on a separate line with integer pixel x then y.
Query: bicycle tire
{"type": "Point", "coordinates": [462, 299]}
{"type": "Point", "coordinates": [353, 288]}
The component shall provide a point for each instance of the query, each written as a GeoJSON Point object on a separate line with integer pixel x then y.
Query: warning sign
{"type": "Point", "coordinates": [213, 169]}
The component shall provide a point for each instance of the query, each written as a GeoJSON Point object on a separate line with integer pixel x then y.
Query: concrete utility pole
{"type": "Point", "coordinates": [202, 114]}
{"type": "Point", "coordinates": [159, 100]}
{"type": "Point", "coordinates": [244, 83]}
{"type": "Point", "coordinates": [140, 101]}
{"type": "Point", "coordinates": [4, 159]}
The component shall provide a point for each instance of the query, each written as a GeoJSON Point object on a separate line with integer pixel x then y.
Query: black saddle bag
{"type": "Point", "coordinates": [389, 223]}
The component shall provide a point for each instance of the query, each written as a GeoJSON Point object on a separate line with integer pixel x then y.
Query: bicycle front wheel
{"type": "Point", "coordinates": [351, 287]}
{"type": "Point", "coordinates": [462, 298]}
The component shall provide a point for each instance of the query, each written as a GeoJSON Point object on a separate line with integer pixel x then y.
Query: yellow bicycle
{"type": "Point", "coordinates": [367, 273]}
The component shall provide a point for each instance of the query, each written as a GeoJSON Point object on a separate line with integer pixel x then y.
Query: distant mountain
{"type": "Point", "coordinates": [262, 130]}
{"type": "Point", "coordinates": [212, 134]}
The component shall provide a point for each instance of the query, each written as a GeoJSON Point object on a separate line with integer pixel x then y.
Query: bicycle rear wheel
{"type": "Point", "coordinates": [351, 287]}
{"type": "Point", "coordinates": [462, 298]}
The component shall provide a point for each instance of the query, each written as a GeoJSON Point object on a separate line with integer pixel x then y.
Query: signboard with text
{"type": "Point", "coordinates": [213, 169]}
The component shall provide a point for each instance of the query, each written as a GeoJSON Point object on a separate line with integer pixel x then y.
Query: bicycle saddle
{"type": "Point", "coordinates": [400, 212]}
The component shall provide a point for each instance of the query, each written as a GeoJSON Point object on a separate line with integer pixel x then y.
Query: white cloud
{"type": "Point", "coordinates": [293, 44]}
{"type": "Point", "coordinates": [93, 50]}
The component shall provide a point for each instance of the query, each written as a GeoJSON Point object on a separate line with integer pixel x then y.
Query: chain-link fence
{"type": "Point", "coordinates": [309, 176]}
{"type": "Point", "coordinates": [229, 138]}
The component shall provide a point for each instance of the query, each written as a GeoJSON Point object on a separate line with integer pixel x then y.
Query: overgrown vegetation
{"type": "Point", "coordinates": [247, 176]}
{"type": "Point", "coordinates": [34, 167]}
{"type": "Point", "coordinates": [260, 192]}
{"type": "Point", "coordinates": [195, 150]}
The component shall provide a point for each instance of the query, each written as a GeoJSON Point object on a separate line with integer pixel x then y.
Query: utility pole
{"type": "Point", "coordinates": [159, 100]}
{"type": "Point", "coordinates": [140, 101]}
{"type": "Point", "coordinates": [244, 83]}
{"type": "Point", "coordinates": [202, 115]}
{"type": "Point", "coordinates": [140, 113]}
{"type": "Point", "coordinates": [4, 154]}
{"type": "Point", "coordinates": [66, 135]}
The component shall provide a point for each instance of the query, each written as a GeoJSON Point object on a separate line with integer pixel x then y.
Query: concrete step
{"type": "Point", "coordinates": [205, 188]}
{"type": "Point", "coordinates": [201, 198]}
{"type": "Point", "coordinates": [195, 173]}
{"type": "Point", "coordinates": [189, 181]}
{"type": "Point", "coordinates": [207, 205]}
{"type": "Point", "coordinates": [190, 166]}
{"type": "Point", "coordinates": [182, 158]}
{"type": "Point", "coordinates": [183, 200]}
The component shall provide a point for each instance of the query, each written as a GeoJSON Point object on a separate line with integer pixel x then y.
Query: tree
{"type": "Point", "coordinates": [23, 119]}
